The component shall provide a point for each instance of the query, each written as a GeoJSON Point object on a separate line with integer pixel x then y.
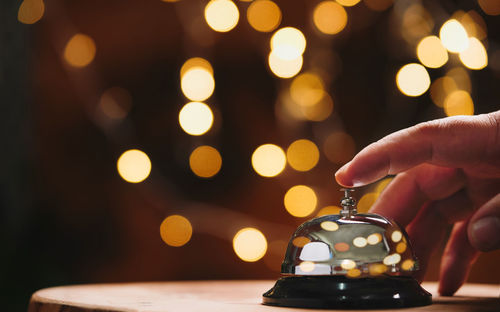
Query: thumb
{"type": "Point", "coordinates": [484, 226]}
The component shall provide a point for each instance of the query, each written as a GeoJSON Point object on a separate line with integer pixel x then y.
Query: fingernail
{"type": "Point", "coordinates": [485, 233]}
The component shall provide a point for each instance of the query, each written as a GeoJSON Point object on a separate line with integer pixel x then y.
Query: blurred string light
{"type": "Point", "coordinates": [416, 23]}
{"type": "Point", "coordinates": [307, 89]}
{"type": "Point", "coordinates": [30, 11]}
{"type": "Point", "coordinates": [302, 155]}
{"type": "Point", "coordinates": [197, 83]}
{"type": "Point", "coordinates": [378, 5]}
{"type": "Point", "coordinates": [250, 244]}
{"type": "Point", "coordinates": [264, 15]}
{"type": "Point", "coordinates": [176, 230]}
{"type": "Point", "coordinates": [134, 166]}
{"type": "Point", "coordinates": [348, 3]}
{"type": "Point", "coordinates": [413, 80]}
{"type": "Point", "coordinates": [329, 17]}
{"type": "Point", "coordinates": [287, 46]}
{"type": "Point", "coordinates": [196, 62]}
{"type": "Point", "coordinates": [205, 161]}
{"type": "Point", "coordinates": [196, 118]}
{"type": "Point", "coordinates": [490, 7]}
{"type": "Point", "coordinates": [475, 56]}
{"type": "Point", "coordinates": [284, 68]}
{"type": "Point", "coordinates": [440, 88]}
{"type": "Point", "coordinates": [473, 23]}
{"type": "Point", "coordinates": [328, 210]}
{"type": "Point", "coordinates": [458, 102]}
{"type": "Point", "coordinates": [221, 15]}
{"type": "Point", "coordinates": [268, 160]}
{"type": "Point", "coordinates": [431, 52]}
{"type": "Point", "coordinates": [453, 36]}
{"type": "Point", "coordinates": [300, 201]}
{"type": "Point", "coordinates": [339, 147]}
{"type": "Point", "coordinates": [80, 50]}
{"type": "Point", "coordinates": [115, 103]}
{"type": "Point", "coordinates": [461, 77]}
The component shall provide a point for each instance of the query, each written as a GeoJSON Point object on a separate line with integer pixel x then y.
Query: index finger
{"type": "Point", "coordinates": [451, 142]}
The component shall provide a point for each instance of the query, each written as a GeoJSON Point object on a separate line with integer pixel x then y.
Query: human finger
{"type": "Point", "coordinates": [484, 227]}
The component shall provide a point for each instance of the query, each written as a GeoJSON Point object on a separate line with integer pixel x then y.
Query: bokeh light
{"type": "Point", "coordinates": [300, 201]}
{"type": "Point", "coordinates": [196, 62]}
{"type": "Point", "coordinates": [359, 242]}
{"type": "Point", "coordinates": [329, 17]}
{"type": "Point", "coordinates": [413, 80]}
{"type": "Point", "coordinates": [378, 5]}
{"type": "Point", "coordinates": [453, 36]}
{"type": "Point", "coordinates": [392, 259]}
{"type": "Point", "coordinates": [197, 84]}
{"type": "Point", "coordinates": [473, 23]}
{"type": "Point", "coordinates": [329, 226]}
{"type": "Point", "coordinates": [328, 210]}
{"type": "Point", "coordinates": [115, 103]}
{"type": "Point", "coordinates": [221, 15]}
{"type": "Point", "coordinates": [268, 160]}
{"type": "Point", "coordinates": [264, 15]}
{"type": "Point", "coordinates": [205, 161]}
{"type": "Point", "coordinates": [250, 244]}
{"type": "Point", "coordinates": [80, 50]}
{"type": "Point", "coordinates": [288, 43]}
{"type": "Point", "coordinates": [134, 166]}
{"type": "Point", "coordinates": [320, 111]}
{"type": "Point", "coordinates": [441, 88]}
{"type": "Point", "coordinates": [461, 78]}
{"type": "Point", "coordinates": [396, 236]}
{"type": "Point", "coordinates": [339, 147]}
{"type": "Point", "coordinates": [475, 56]}
{"type": "Point", "coordinates": [196, 118]}
{"type": "Point", "coordinates": [380, 187]}
{"type": "Point", "coordinates": [490, 7]}
{"type": "Point", "coordinates": [417, 23]}
{"type": "Point", "coordinates": [407, 265]}
{"type": "Point", "coordinates": [176, 230]}
{"type": "Point", "coordinates": [431, 52]}
{"type": "Point", "coordinates": [307, 89]}
{"type": "Point", "coordinates": [284, 68]}
{"type": "Point", "coordinates": [302, 155]}
{"type": "Point", "coordinates": [366, 201]}
{"type": "Point", "coordinates": [348, 3]}
{"type": "Point", "coordinates": [30, 11]}
{"type": "Point", "coordinates": [307, 266]}
{"type": "Point", "coordinates": [458, 102]}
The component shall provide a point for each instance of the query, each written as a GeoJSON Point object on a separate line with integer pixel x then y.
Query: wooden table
{"type": "Point", "coordinates": [244, 296]}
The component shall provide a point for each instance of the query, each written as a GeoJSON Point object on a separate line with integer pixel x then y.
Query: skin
{"type": "Point", "coordinates": [448, 172]}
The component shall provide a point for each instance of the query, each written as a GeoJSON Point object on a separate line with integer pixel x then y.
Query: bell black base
{"type": "Point", "coordinates": [340, 292]}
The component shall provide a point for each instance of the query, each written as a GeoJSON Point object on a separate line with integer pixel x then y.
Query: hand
{"type": "Point", "coordinates": [448, 171]}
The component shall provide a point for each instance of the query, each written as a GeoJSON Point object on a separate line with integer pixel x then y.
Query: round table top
{"type": "Point", "coordinates": [219, 296]}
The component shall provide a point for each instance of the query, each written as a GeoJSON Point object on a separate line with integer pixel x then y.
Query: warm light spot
{"type": "Point", "coordinates": [176, 230]}
{"type": "Point", "coordinates": [307, 89]}
{"type": "Point", "coordinates": [374, 238]}
{"type": "Point", "coordinates": [359, 242]}
{"type": "Point", "coordinates": [348, 264]}
{"type": "Point", "coordinates": [288, 43]}
{"type": "Point", "coordinates": [307, 266]}
{"type": "Point", "coordinates": [249, 244]}
{"type": "Point", "coordinates": [329, 17]}
{"type": "Point", "coordinates": [30, 11]}
{"type": "Point", "coordinates": [461, 78]}
{"type": "Point", "coordinates": [367, 201]}
{"type": "Point", "coordinates": [80, 50]}
{"type": "Point", "coordinates": [378, 5]}
{"type": "Point", "coordinates": [196, 118]}
{"type": "Point", "coordinates": [348, 3]}
{"type": "Point", "coordinates": [441, 88]}
{"type": "Point", "coordinates": [196, 62]}
{"type": "Point", "coordinates": [302, 155]}
{"type": "Point", "coordinates": [341, 247]}
{"type": "Point", "coordinates": [221, 15]}
{"type": "Point", "coordinates": [475, 56]}
{"type": "Point", "coordinates": [382, 185]}
{"type": "Point", "coordinates": [284, 68]}
{"type": "Point", "coordinates": [453, 36]}
{"type": "Point", "coordinates": [320, 111]}
{"type": "Point", "coordinates": [197, 84]}
{"type": "Point", "coordinates": [413, 80]}
{"type": "Point", "coordinates": [458, 102]}
{"type": "Point", "coordinates": [339, 147]}
{"type": "Point", "coordinates": [490, 7]}
{"type": "Point", "coordinates": [401, 247]}
{"type": "Point", "coordinates": [329, 226]}
{"type": "Point", "coordinates": [408, 264]}
{"type": "Point", "coordinates": [205, 161]}
{"type": "Point", "coordinates": [300, 241]}
{"type": "Point", "coordinates": [417, 23]}
{"type": "Point", "coordinates": [396, 236]}
{"type": "Point", "coordinates": [431, 52]}
{"type": "Point", "coordinates": [353, 273]}
{"type": "Point", "coordinates": [115, 103]}
{"type": "Point", "coordinates": [392, 259]}
{"type": "Point", "coordinates": [473, 23]}
{"type": "Point", "coordinates": [377, 269]}
{"type": "Point", "coordinates": [134, 166]}
{"type": "Point", "coordinates": [328, 210]}
{"type": "Point", "coordinates": [300, 201]}
{"type": "Point", "coordinates": [268, 160]}
{"type": "Point", "coordinates": [264, 15]}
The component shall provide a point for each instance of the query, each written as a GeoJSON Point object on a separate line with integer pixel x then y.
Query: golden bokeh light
{"type": "Point", "coordinates": [250, 244]}
{"type": "Point", "coordinates": [408, 264]}
{"type": "Point", "coordinates": [348, 3]}
{"type": "Point", "coordinates": [475, 56]}
{"type": "Point", "coordinates": [319, 111]}
{"type": "Point", "coordinates": [307, 266]}
{"type": "Point", "coordinates": [401, 247]}
{"type": "Point", "coordinates": [453, 36]}
{"type": "Point", "coordinates": [268, 160]}
{"type": "Point", "coordinates": [457, 103]}
{"type": "Point", "coordinates": [341, 247]}
{"type": "Point", "coordinates": [417, 23]}
{"type": "Point", "coordinates": [382, 185]}
{"type": "Point", "coordinates": [377, 269]}
{"type": "Point", "coordinates": [300, 241]}
{"type": "Point", "coordinates": [353, 273]}
{"type": "Point", "coordinates": [115, 103]}
{"type": "Point", "coordinates": [441, 88]}
{"type": "Point", "coordinates": [396, 236]}
{"type": "Point", "coordinates": [329, 17]}
{"type": "Point", "coordinates": [300, 201]}
{"type": "Point", "coordinates": [474, 24]}
{"type": "Point", "coordinates": [339, 147]}
{"type": "Point", "coordinates": [392, 259]}
{"type": "Point", "coordinates": [307, 89]}
{"type": "Point", "coordinates": [374, 239]}
{"type": "Point", "coordinates": [264, 15]}
{"type": "Point", "coordinates": [329, 226]}
{"type": "Point", "coordinates": [221, 15]}
{"type": "Point", "coordinates": [288, 43]}
{"type": "Point", "coordinates": [196, 62]}
{"type": "Point", "coordinates": [197, 84]}
{"type": "Point", "coordinates": [461, 78]}
{"type": "Point", "coordinates": [176, 230]}
{"type": "Point", "coordinates": [378, 5]}
{"type": "Point", "coordinates": [490, 7]}
{"type": "Point", "coordinates": [359, 242]}
{"type": "Point", "coordinates": [328, 210]}
{"type": "Point", "coordinates": [30, 11]}
{"type": "Point", "coordinates": [80, 50]}
{"type": "Point", "coordinates": [366, 201]}
{"type": "Point", "coordinates": [347, 264]}
{"type": "Point", "coordinates": [302, 155]}
{"type": "Point", "coordinates": [284, 68]}
{"type": "Point", "coordinates": [134, 166]}
{"type": "Point", "coordinates": [431, 52]}
{"type": "Point", "coordinates": [205, 161]}
{"type": "Point", "coordinates": [413, 80]}
{"type": "Point", "coordinates": [196, 118]}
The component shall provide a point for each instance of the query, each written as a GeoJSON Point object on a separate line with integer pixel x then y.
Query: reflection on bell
{"type": "Point", "coordinates": [349, 260]}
